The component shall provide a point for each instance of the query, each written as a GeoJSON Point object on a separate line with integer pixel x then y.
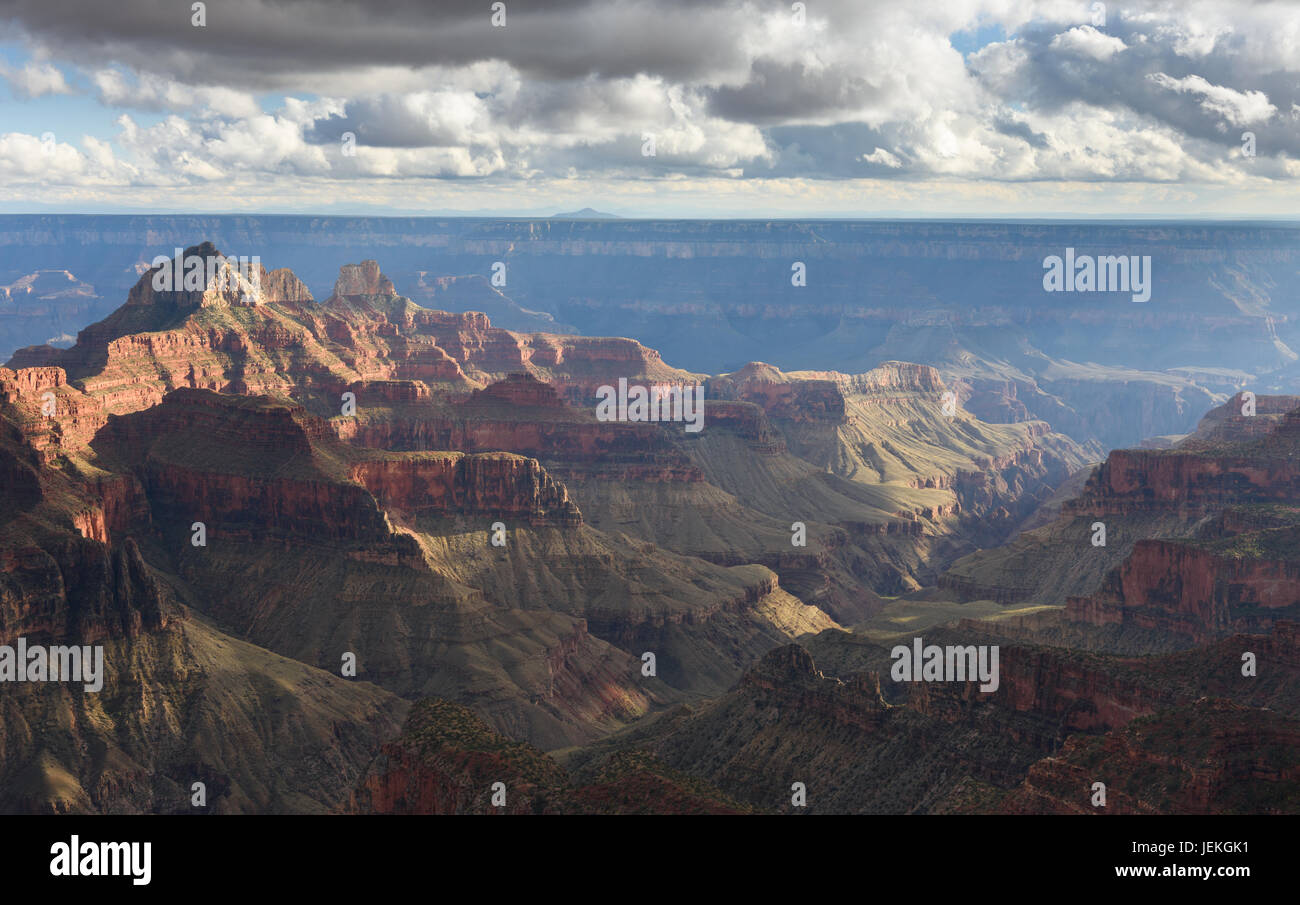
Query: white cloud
{"type": "Point", "coordinates": [35, 79]}
{"type": "Point", "coordinates": [1085, 40]}
{"type": "Point", "coordinates": [151, 92]}
{"type": "Point", "coordinates": [43, 161]}
{"type": "Point", "coordinates": [1239, 108]}
{"type": "Point", "coordinates": [884, 158]}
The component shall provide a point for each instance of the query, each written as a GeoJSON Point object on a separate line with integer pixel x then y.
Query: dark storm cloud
{"type": "Point", "coordinates": [264, 44]}
{"type": "Point", "coordinates": [777, 92]}
{"type": "Point", "coordinates": [834, 152]}
{"type": "Point", "coordinates": [387, 122]}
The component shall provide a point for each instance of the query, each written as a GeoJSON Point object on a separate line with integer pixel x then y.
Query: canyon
{"type": "Point", "coordinates": [962, 296]}
{"type": "Point", "coordinates": [240, 494]}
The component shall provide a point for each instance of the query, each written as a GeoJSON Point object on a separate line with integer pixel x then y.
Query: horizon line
{"type": "Point", "coordinates": [615, 218]}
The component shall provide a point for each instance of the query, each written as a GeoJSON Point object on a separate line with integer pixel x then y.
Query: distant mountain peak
{"type": "Point", "coordinates": [586, 213]}
{"type": "Point", "coordinates": [762, 372]}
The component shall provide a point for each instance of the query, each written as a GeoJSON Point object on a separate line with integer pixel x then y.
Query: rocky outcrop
{"type": "Point", "coordinates": [622, 625]}
{"type": "Point", "coordinates": [364, 279]}
{"type": "Point", "coordinates": [1192, 593]}
{"type": "Point", "coordinates": [518, 391]}
{"type": "Point", "coordinates": [70, 587]}
{"type": "Point", "coordinates": [525, 415]}
{"type": "Point", "coordinates": [1226, 481]}
{"type": "Point", "coordinates": [615, 452]}
{"type": "Point", "coordinates": [1152, 481]}
{"type": "Point", "coordinates": [454, 483]}
{"type": "Point", "coordinates": [1234, 421]}
{"type": "Point", "coordinates": [780, 395]}
{"type": "Point", "coordinates": [1212, 757]}
{"type": "Point", "coordinates": [789, 675]}
{"type": "Point", "coordinates": [1060, 691]}
{"type": "Point", "coordinates": [747, 421]}
{"type": "Point", "coordinates": [1241, 467]}
{"type": "Point", "coordinates": [246, 466]}
{"type": "Point", "coordinates": [54, 417]}
{"type": "Point", "coordinates": [116, 504]}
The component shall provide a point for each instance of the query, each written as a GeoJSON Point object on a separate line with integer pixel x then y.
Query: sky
{"type": "Point", "coordinates": [652, 108]}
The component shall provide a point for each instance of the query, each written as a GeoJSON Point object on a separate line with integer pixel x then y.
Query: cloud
{"type": "Point", "coordinates": [1087, 41]}
{"type": "Point", "coordinates": [270, 45]}
{"type": "Point", "coordinates": [1239, 108]}
{"type": "Point", "coordinates": [732, 92]}
{"type": "Point", "coordinates": [883, 158]}
{"type": "Point", "coordinates": [152, 92]}
{"type": "Point", "coordinates": [1150, 86]}
{"type": "Point", "coordinates": [35, 79]}
{"type": "Point", "coordinates": [43, 160]}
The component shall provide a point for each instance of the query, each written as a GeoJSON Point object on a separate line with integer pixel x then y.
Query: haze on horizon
{"type": "Point", "coordinates": [827, 108]}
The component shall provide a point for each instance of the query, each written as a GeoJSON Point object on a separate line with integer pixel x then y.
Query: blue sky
{"type": "Point", "coordinates": [969, 40]}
